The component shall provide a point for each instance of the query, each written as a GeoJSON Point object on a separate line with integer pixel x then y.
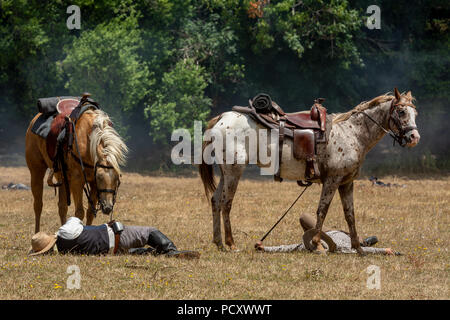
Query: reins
{"type": "Point", "coordinates": [279, 220]}
{"type": "Point", "coordinates": [392, 134]}
{"type": "Point", "coordinates": [397, 137]}
{"type": "Point", "coordinates": [86, 187]}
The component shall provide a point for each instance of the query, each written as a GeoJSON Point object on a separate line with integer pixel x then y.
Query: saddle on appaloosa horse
{"type": "Point", "coordinates": [305, 128]}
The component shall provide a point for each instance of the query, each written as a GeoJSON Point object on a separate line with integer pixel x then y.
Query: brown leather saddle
{"type": "Point", "coordinates": [306, 128]}
{"type": "Point", "coordinates": [64, 107]}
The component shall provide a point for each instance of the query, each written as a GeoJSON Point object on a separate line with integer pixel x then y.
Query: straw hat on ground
{"type": "Point", "coordinates": [41, 243]}
{"type": "Point", "coordinates": [308, 235]}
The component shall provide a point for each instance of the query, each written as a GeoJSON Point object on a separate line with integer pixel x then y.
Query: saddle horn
{"type": "Point", "coordinates": [85, 97]}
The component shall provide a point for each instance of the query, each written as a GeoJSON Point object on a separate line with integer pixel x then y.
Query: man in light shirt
{"type": "Point", "coordinates": [74, 237]}
{"type": "Point", "coordinates": [331, 240]}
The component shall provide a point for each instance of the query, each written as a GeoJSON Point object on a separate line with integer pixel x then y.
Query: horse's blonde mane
{"type": "Point", "coordinates": [114, 148]}
{"type": "Point", "coordinates": [363, 106]}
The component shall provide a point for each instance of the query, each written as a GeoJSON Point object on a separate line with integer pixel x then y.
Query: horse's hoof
{"type": "Point", "coordinates": [233, 248]}
{"type": "Point", "coordinates": [220, 247]}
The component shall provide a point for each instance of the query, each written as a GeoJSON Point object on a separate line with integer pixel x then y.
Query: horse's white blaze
{"type": "Point", "coordinates": [413, 136]}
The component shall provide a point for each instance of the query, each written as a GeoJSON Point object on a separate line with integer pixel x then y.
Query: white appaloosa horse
{"type": "Point", "coordinates": [352, 135]}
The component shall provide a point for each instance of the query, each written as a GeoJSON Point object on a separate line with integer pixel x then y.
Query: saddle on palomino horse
{"type": "Point", "coordinates": [60, 136]}
{"type": "Point", "coordinates": [306, 128]}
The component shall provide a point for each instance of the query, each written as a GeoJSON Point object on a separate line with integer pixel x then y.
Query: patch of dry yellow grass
{"type": "Point", "coordinates": [413, 220]}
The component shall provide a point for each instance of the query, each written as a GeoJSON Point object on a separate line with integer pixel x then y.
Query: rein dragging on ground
{"type": "Point", "coordinates": [279, 220]}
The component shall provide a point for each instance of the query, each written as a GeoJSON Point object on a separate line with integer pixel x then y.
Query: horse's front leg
{"type": "Point", "coordinates": [346, 193]}
{"type": "Point", "coordinates": [94, 196]}
{"type": "Point", "coordinates": [76, 187]}
{"type": "Point", "coordinates": [62, 204]}
{"type": "Point", "coordinates": [328, 190]}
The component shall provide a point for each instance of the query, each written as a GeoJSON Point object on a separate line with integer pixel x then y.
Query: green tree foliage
{"type": "Point", "coordinates": [180, 101]}
{"type": "Point", "coordinates": [213, 45]}
{"type": "Point", "coordinates": [158, 65]}
{"type": "Point", "coordinates": [301, 25]}
{"type": "Point", "coordinates": [106, 61]}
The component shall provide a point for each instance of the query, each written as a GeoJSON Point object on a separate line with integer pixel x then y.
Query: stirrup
{"type": "Point", "coordinates": [50, 182]}
{"type": "Point", "coordinates": [312, 170]}
{"type": "Point", "coordinates": [305, 183]}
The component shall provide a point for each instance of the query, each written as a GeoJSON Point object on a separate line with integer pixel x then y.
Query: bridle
{"type": "Point", "coordinates": [86, 187]}
{"type": "Point", "coordinates": [113, 191]}
{"type": "Point", "coordinates": [402, 131]}
{"type": "Point", "coordinates": [400, 136]}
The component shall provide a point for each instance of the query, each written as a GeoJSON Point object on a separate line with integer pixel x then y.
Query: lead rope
{"type": "Point", "coordinates": [279, 220]}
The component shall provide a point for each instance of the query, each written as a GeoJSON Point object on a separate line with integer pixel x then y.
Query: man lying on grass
{"type": "Point", "coordinates": [74, 237]}
{"type": "Point", "coordinates": [331, 240]}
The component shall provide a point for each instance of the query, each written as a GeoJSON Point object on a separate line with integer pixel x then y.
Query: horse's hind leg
{"type": "Point", "coordinates": [346, 193]}
{"type": "Point", "coordinates": [37, 166]}
{"type": "Point", "coordinates": [37, 187]}
{"type": "Point", "coordinates": [232, 174]}
{"type": "Point", "coordinates": [215, 205]}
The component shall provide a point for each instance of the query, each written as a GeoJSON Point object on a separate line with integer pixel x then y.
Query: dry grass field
{"type": "Point", "coordinates": [414, 220]}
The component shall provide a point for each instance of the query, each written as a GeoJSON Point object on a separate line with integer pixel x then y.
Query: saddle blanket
{"type": "Point", "coordinates": [42, 125]}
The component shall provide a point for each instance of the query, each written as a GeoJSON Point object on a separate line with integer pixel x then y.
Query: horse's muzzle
{"type": "Point", "coordinates": [412, 138]}
{"type": "Point", "coordinates": [106, 208]}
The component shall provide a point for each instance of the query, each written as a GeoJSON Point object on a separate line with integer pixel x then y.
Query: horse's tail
{"type": "Point", "coordinates": [206, 170]}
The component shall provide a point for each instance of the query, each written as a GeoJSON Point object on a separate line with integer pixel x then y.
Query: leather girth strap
{"type": "Point", "coordinates": [277, 176]}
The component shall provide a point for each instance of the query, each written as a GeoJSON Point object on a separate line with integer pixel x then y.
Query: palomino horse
{"type": "Point", "coordinates": [352, 136]}
{"type": "Point", "coordinates": [102, 152]}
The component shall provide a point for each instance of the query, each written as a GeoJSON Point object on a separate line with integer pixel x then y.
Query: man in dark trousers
{"type": "Point", "coordinates": [113, 237]}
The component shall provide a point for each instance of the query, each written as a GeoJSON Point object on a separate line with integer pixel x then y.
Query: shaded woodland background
{"type": "Point", "coordinates": [158, 65]}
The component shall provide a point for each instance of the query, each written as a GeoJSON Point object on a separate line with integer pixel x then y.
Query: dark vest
{"type": "Point", "coordinates": [92, 240]}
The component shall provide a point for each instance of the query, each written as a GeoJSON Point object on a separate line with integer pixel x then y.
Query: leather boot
{"type": "Point", "coordinates": [164, 245]}
{"type": "Point", "coordinates": [370, 241]}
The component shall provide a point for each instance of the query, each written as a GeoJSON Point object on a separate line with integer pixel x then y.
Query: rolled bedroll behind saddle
{"type": "Point", "coordinates": [47, 106]}
{"type": "Point", "coordinates": [264, 104]}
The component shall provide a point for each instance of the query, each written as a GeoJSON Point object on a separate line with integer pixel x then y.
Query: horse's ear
{"type": "Point", "coordinates": [397, 93]}
{"type": "Point", "coordinates": [408, 95]}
